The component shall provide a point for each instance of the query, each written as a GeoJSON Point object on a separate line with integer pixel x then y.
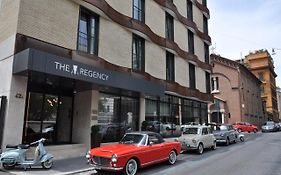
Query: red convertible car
{"type": "Point", "coordinates": [135, 150]}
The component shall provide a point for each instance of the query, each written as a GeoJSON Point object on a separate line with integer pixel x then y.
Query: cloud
{"type": "Point", "coordinates": [239, 26]}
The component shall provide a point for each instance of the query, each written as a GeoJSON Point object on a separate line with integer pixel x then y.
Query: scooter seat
{"type": "Point", "coordinates": [23, 146]}
{"type": "Point", "coordinates": [11, 146]}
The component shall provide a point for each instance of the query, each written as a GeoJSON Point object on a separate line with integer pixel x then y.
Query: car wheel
{"type": "Point", "coordinates": [255, 130]}
{"type": "Point", "coordinates": [214, 147]}
{"type": "Point", "coordinates": [7, 166]}
{"type": "Point", "coordinates": [172, 157]}
{"type": "Point", "coordinates": [239, 130]}
{"type": "Point", "coordinates": [200, 148]}
{"type": "Point", "coordinates": [131, 167]}
{"type": "Point", "coordinates": [227, 141]}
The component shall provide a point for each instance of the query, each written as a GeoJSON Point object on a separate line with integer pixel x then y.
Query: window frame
{"type": "Point", "coordinates": [139, 44]}
{"type": "Point", "coordinates": [170, 66]}
{"type": "Point", "coordinates": [189, 10]}
{"type": "Point", "coordinates": [192, 76]}
{"type": "Point", "coordinates": [91, 48]}
{"type": "Point", "coordinates": [169, 30]}
{"type": "Point", "coordinates": [191, 42]}
{"type": "Point", "coordinates": [140, 10]}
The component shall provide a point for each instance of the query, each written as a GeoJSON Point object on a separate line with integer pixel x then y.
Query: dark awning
{"type": "Point", "coordinates": [35, 60]}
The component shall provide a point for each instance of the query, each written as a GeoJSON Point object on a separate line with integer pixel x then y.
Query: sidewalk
{"type": "Point", "coordinates": [61, 167]}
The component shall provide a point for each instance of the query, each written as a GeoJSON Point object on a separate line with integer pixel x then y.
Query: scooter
{"type": "Point", "coordinates": [15, 155]}
{"type": "Point", "coordinates": [239, 135]}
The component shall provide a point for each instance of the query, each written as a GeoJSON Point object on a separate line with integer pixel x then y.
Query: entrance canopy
{"type": "Point", "coordinates": [35, 60]}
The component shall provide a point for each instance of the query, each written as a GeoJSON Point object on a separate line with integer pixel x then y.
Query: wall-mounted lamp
{"type": "Point", "coordinates": [19, 95]}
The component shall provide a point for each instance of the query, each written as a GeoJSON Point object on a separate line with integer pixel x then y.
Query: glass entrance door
{"type": "Point", "coordinates": [48, 116]}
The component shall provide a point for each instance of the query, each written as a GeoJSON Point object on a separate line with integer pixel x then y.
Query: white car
{"type": "Point", "coordinates": [198, 138]}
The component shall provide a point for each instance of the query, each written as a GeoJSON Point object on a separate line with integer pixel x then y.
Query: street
{"type": "Point", "coordinates": [260, 154]}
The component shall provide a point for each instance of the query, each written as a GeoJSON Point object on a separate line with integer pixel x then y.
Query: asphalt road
{"type": "Point", "coordinates": [260, 154]}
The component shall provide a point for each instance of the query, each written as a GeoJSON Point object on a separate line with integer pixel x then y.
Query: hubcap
{"type": "Point", "coordinates": [200, 149]}
{"type": "Point", "coordinates": [131, 167]}
{"type": "Point", "coordinates": [172, 157]}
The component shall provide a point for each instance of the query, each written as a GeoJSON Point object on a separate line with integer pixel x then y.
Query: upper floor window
{"type": "Point", "coordinates": [205, 24]}
{"type": "Point", "coordinates": [88, 32]}
{"type": "Point", "coordinates": [138, 10]}
{"type": "Point", "coordinates": [189, 10]}
{"type": "Point", "coordinates": [190, 42]}
{"type": "Point", "coordinates": [215, 83]}
{"type": "Point", "coordinates": [169, 27]}
{"type": "Point", "coordinates": [192, 78]}
{"type": "Point", "coordinates": [260, 74]}
{"type": "Point", "coordinates": [208, 87]}
{"type": "Point", "coordinates": [204, 2]}
{"type": "Point", "coordinates": [207, 53]}
{"type": "Point", "coordinates": [138, 59]}
{"type": "Point", "coordinates": [170, 66]}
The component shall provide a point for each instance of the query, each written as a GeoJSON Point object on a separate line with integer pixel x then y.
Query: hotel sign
{"type": "Point", "coordinates": [75, 70]}
{"type": "Point", "coordinates": [38, 61]}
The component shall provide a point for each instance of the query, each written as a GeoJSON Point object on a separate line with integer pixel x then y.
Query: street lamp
{"type": "Point", "coordinates": [273, 51]}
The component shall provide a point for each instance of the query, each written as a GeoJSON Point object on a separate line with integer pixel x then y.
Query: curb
{"type": "Point", "coordinates": [78, 171]}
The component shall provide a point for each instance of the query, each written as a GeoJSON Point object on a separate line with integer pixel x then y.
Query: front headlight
{"type": "Point", "coordinates": [114, 158]}
{"type": "Point", "coordinates": [193, 140]}
{"type": "Point", "coordinates": [222, 135]}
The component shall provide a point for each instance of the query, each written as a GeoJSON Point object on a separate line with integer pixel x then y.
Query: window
{"type": "Point", "coordinates": [138, 59]}
{"type": "Point", "coordinates": [260, 74]}
{"type": "Point", "coordinates": [138, 10]}
{"type": "Point", "coordinates": [88, 32]}
{"type": "Point", "coordinates": [117, 115]}
{"type": "Point", "coordinates": [192, 80]}
{"type": "Point", "coordinates": [207, 53]}
{"type": "Point", "coordinates": [205, 24]}
{"type": "Point", "coordinates": [215, 83]}
{"type": "Point", "coordinates": [189, 10]}
{"type": "Point", "coordinates": [204, 131]}
{"type": "Point", "coordinates": [169, 27]}
{"type": "Point", "coordinates": [190, 42]}
{"type": "Point", "coordinates": [208, 88]}
{"type": "Point", "coordinates": [204, 2]}
{"type": "Point", "coordinates": [170, 66]}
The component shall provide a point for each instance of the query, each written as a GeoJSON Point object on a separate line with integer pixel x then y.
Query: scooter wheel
{"type": "Point", "coordinates": [47, 164]}
{"type": "Point", "coordinates": [242, 139]}
{"type": "Point", "coordinates": [8, 166]}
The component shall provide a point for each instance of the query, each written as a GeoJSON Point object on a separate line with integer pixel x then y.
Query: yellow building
{"type": "Point", "coordinates": [261, 64]}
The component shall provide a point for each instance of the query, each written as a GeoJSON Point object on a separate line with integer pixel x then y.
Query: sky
{"type": "Point", "coordinates": [240, 26]}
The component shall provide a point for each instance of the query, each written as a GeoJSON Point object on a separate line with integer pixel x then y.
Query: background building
{"type": "Point", "coordinates": [278, 91]}
{"type": "Point", "coordinates": [238, 90]}
{"type": "Point", "coordinates": [261, 65]}
{"type": "Point", "coordinates": [70, 68]}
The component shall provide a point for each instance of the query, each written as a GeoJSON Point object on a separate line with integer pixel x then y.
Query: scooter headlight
{"type": "Point", "coordinates": [88, 155]}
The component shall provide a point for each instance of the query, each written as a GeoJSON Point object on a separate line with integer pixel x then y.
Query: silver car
{"type": "Point", "coordinates": [225, 133]}
{"type": "Point", "coordinates": [197, 137]}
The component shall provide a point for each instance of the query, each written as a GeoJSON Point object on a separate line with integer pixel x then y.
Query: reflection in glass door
{"type": "Point", "coordinates": [48, 116]}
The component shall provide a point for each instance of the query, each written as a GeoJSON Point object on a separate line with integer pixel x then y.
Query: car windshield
{"type": "Point", "coordinates": [269, 123]}
{"type": "Point", "coordinates": [132, 139]}
{"type": "Point", "coordinates": [191, 131]}
{"type": "Point", "coordinates": [223, 128]}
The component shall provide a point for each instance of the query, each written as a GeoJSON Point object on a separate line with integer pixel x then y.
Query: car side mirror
{"type": "Point", "coordinates": [151, 143]}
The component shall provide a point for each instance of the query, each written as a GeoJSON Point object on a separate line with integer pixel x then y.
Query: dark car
{"type": "Point", "coordinates": [269, 126]}
{"type": "Point", "coordinates": [224, 133]}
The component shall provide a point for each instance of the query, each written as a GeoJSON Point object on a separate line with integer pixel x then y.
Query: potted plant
{"type": "Point", "coordinates": [95, 136]}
